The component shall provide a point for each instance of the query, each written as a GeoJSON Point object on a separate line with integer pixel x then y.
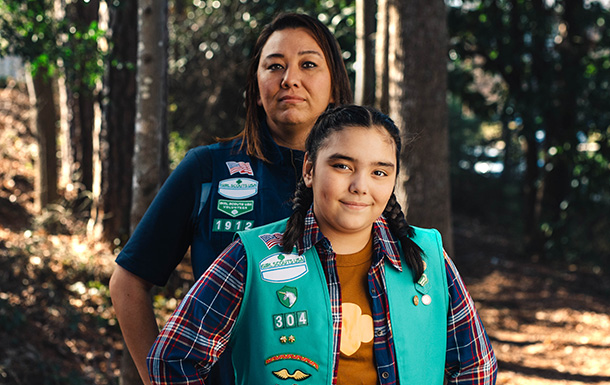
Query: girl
{"type": "Point", "coordinates": [343, 292]}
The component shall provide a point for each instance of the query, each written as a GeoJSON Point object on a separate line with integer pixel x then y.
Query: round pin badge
{"type": "Point", "coordinates": [426, 299]}
{"type": "Point", "coordinates": [416, 300]}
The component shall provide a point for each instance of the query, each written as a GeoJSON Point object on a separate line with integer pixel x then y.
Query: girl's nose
{"type": "Point", "coordinates": [358, 184]}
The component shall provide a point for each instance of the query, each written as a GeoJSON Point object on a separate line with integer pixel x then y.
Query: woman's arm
{"type": "Point", "coordinates": [470, 356]}
{"type": "Point", "coordinates": [133, 306]}
{"type": "Point", "coordinates": [200, 328]}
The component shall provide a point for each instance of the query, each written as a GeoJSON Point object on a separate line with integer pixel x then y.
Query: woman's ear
{"type": "Point", "coordinates": [307, 170]}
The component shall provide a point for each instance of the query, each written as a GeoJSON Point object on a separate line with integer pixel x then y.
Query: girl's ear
{"type": "Point", "coordinates": [307, 170]}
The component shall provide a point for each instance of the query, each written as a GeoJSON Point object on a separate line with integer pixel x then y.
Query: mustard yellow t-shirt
{"type": "Point", "coordinates": [356, 360]}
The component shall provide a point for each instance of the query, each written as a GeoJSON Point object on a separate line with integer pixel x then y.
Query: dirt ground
{"type": "Point", "coordinates": [549, 324]}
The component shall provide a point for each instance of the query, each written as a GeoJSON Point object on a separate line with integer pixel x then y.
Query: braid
{"type": "Point", "coordinates": [401, 229]}
{"type": "Point", "coordinates": [303, 197]}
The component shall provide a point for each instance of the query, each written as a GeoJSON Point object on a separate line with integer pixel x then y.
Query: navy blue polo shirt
{"type": "Point", "coordinates": [215, 191]}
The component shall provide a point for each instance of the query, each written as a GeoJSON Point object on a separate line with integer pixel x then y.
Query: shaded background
{"type": "Point", "coordinates": [529, 123]}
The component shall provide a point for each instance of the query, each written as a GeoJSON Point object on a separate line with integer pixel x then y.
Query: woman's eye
{"type": "Point", "coordinates": [309, 64]}
{"type": "Point", "coordinates": [275, 66]}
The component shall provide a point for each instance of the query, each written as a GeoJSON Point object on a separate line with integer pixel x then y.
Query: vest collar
{"type": "Point", "coordinates": [384, 244]}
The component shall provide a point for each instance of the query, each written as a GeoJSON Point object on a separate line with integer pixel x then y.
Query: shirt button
{"type": "Point", "coordinates": [385, 375]}
{"type": "Point", "coordinates": [373, 291]}
{"type": "Point", "coordinates": [378, 333]}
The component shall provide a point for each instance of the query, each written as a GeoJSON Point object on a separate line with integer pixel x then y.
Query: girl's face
{"type": "Point", "coordinates": [352, 180]}
{"type": "Point", "coordinates": [294, 80]}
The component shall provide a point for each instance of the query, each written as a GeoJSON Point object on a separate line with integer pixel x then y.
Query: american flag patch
{"type": "Point", "coordinates": [271, 239]}
{"type": "Point", "coordinates": [240, 167]}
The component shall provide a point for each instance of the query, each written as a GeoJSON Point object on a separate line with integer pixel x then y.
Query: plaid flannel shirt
{"type": "Point", "coordinates": [200, 328]}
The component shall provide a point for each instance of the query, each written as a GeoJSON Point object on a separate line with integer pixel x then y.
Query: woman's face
{"type": "Point", "coordinates": [352, 180]}
{"type": "Point", "coordinates": [294, 81]}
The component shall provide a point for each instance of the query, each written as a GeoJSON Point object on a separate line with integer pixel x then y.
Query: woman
{"type": "Point", "coordinates": [295, 73]}
{"type": "Point", "coordinates": [325, 297]}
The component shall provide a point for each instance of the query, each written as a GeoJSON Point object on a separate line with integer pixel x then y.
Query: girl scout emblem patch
{"type": "Point", "coordinates": [280, 268]}
{"type": "Point", "coordinates": [287, 296]}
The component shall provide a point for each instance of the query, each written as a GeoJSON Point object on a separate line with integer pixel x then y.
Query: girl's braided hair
{"type": "Point", "coordinates": [332, 121]}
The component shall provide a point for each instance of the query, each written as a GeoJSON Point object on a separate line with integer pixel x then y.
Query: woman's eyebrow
{"type": "Point", "coordinates": [301, 53]}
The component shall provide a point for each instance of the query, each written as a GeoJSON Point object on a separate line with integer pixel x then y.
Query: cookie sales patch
{"type": "Point", "coordinates": [238, 188]}
{"type": "Point", "coordinates": [280, 267]}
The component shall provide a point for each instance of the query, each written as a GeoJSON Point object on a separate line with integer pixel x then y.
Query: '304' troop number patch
{"type": "Point", "coordinates": [290, 320]}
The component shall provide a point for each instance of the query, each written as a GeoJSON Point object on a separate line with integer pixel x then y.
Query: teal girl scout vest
{"type": "Point", "coordinates": [284, 331]}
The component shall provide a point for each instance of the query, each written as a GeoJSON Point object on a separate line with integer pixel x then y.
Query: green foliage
{"type": "Point", "coordinates": [542, 71]}
{"type": "Point", "coordinates": [178, 146]}
{"type": "Point", "coordinates": [29, 29]}
{"type": "Point", "coordinates": [210, 43]}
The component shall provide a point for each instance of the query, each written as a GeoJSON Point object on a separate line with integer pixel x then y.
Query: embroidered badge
{"type": "Point", "coordinates": [288, 356]}
{"type": "Point", "coordinates": [240, 167]}
{"type": "Point", "coordinates": [297, 375]}
{"type": "Point", "coordinates": [271, 239]}
{"type": "Point", "coordinates": [235, 208]}
{"type": "Point", "coordinates": [287, 296]}
{"type": "Point", "coordinates": [281, 268]}
{"type": "Point", "coordinates": [238, 188]}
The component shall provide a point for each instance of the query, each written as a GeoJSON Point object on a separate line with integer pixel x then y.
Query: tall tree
{"type": "Point", "coordinates": [119, 121]}
{"type": "Point", "coordinates": [364, 90]}
{"type": "Point", "coordinates": [382, 39]}
{"type": "Point", "coordinates": [417, 73]}
{"type": "Point", "coordinates": [151, 137]}
{"type": "Point", "coordinates": [82, 16]}
{"type": "Point", "coordinates": [150, 156]}
{"type": "Point", "coordinates": [45, 122]}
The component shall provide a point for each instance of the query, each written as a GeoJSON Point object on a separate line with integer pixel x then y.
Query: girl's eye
{"type": "Point", "coordinates": [341, 166]}
{"type": "Point", "coordinates": [380, 173]}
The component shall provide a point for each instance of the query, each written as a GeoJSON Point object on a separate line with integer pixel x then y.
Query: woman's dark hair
{"type": "Point", "coordinates": [332, 121]}
{"type": "Point", "coordinates": [341, 90]}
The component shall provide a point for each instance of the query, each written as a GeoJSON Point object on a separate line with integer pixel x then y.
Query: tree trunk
{"type": "Point", "coordinates": [46, 119]}
{"type": "Point", "coordinates": [151, 137]}
{"type": "Point", "coordinates": [81, 100]}
{"type": "Point", "coordinates": [365, 52]}
{"type": "Point", "coordinates": [418, 88]}
{"type": "Point", "coordinates": [119, 123]}
{"type": "Point", "coordinates": [381, 57]}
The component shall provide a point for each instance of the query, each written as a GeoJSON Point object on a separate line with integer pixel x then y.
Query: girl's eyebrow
{"type": "Point", "coordinates": [339, 156]}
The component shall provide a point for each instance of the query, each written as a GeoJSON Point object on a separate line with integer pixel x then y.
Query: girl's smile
{"type": "Point", "coordinates": [352, 180]}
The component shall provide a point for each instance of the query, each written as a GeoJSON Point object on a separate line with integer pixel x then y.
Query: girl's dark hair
{"type": "Point", "coordinates": [341, 89]}
{"type": "Point", "coordinates": [332, 121]}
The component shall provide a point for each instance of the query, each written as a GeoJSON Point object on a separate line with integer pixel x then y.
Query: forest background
{"type": "Point", "coordinates": [508, 101]}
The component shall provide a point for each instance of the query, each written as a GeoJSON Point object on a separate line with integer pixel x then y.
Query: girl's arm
{"type": "Point", "coordinates": [200, 328]}
{"type": "Point", "coordinates": [470, 356]}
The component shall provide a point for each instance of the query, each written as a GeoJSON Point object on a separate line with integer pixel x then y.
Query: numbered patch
{"type": "Point", "coordinates": [231, 225]}
{"type": "Point", "coordinates": [290, 320]}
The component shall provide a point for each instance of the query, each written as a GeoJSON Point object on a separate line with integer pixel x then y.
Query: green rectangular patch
{"type": "Point", "coordinates": [235, 208]}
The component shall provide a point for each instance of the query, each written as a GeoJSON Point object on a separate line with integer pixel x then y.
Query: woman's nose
{"type": "Point", "coordinates": [291, 78]}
